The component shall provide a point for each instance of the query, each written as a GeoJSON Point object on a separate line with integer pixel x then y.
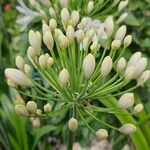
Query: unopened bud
{"type": "Point", "coordinates": [39, 37]}
{"type": "Point", "coordinates": [19, 63]}
{"type": "Point", "coordinates": [122, 5]}
{"type": "Point", "coordinates": [138, 108]}
{"type": "Point", "coordinates": [70, 33]}
{"type": "Point", "coordinates": [19, 100]}
{"type": "Point", "coordinates": [80, 35]}
{"type": "Point", "coordinates": [48, 40]}
{"type": "Point", "coordinates": [90, 6]}
{"type": "Point", "coordinates": [27, 70]}
{"type": "Point", "coordinates": [129, 73]}
{"type": "Point", "coordinates": [42, 61]}
{"type": "Point", "coordinates": [115, 44]}
{"type": "Point", "coordinates": [121, 65]}
{"type": "Point", "coordinates": [64, 3]}
{"type": "Point", "coordinates": [21, 110]}
{"type": "Point", "coordinates": [128, 128]}
{"type": "Point", "coordinates": [73, 124]}
{"type": "Point", "coordinates": [11, 84]}
{"type": "Point", "coordinates": [17, 77]}
{"type": "Point", "coordinates": [102, 134]}
{"type": "Point", "coordinates": [47, 108]}
{"type": "Point", "coordinates": [65, 16]}
{"type": "Point", "coordinates": [52, 24]}
{"type": "Point", "coordinates": [64, 77]}
{"type": "Point", "coordinates": [31, 53]}
{"type": "Point", "coordinates": [38, 112]}
{"type": "Point", "coordinates": [126, 101]}
{"type": "Point", "coordinates": [120, 34]}
{"type": "Point", "coordinates": [106, 66]}
{"type": "Point", "coordinates": [50, 61]}
{"type": "Point", "coordinates": [31, 106]}
{"type": "Point", "coordinates": [109, 25]}
{"type": "Point", "coordinates": [88, 66]}
{"type": "Point", "coordinates": [45, 28]}
{"type": "Point", "coordinates": [52, 12]}
{"type": "Point", "coordinates": [127, 40]}
{"type": "Point", "coordinates": [63, 41]}
{"type": "Point", "coordinates": [122, 18]}
{"type": "Point", "coordinates": [94, 47]}
{"type": "Point", "coordinates": [75, 17]}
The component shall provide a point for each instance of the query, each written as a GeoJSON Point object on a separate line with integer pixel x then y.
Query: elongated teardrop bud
{"type": "Point", "coordinates": [11, 84]}
{"type": "Point", "coordinates": [31, 53]}
{"type": "Point", "coordinates": [122, 18]}
{"type": "Point", "coordinates": [115, 44]}
{"type": "Point", "coordinates": [129, 73]}
{"type": "Point", "coordinates": [19, 63]}
{"type": "Point", "coordinates": [27, 70]}
{"type": "Point", "coordinates": [31, 106]}
{"type": "Point", "coordinates": [52, 12]}
{"type": "Point", "coordinates": [17, 77]}
{"type": "Point", "coordinates": [47, 108]}
{"type": "Point", "coordinates": [138, 108]}
{"type": "Point", "coordinates": [121, 65]}
{"type": "Point", "coordinates": [122, 5]}
{"type": "Point", "coordinates": [106, 66]}
{"type": "Point", "coordinates": [102, 134]}
{"type": "Point", "coordinates": [64, 3]}
{"type": "Point", "coordinates": [21, 110]}
{"type": "Point", "coordinates": [50, 61]}
{"type": "Point", "coordinates": [70, 33]}
{"type": "Point", "coordinates": [75, 17]}
{"type": "Point", "coordinates": [73, 124]}
{"type": "Point", "coordinates": [63, 41]}
{"type": "Point", "coordinates": [52, 24]}
{"type": "Point", "coordinates": [19, 100]}
{"type": "Point", "coordinates": [45, 28]}
{"type": "Point", "coordinates": [120, 34]}
{"type": "Point", "coordinates": [127, 40]}
{"type": "Point", "coordinates": [42, 61]}
{"type": "Point", "coordinates": [88, 66]}
{"type": "Point", "coordinates": [126, 101]}
{"type": "Point", "coordinates": [90, 6]}
{"type": "Point", "coordinates": [65, 16]}
{"type": "Point", "coordinates": [128, 128]}
{"type": "Point", "coordinates": [80, 35]}
{"type": "Point", "coordinates": [109, 25]}
{"type": "Point", "coordinates": [64, 77]}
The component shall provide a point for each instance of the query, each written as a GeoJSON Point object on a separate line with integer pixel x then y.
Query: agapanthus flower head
{"type": "Point", "coordinates": [75, 79]}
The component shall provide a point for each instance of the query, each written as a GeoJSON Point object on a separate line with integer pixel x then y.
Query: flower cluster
{"type": "Point", "coordinates": [76, 70]}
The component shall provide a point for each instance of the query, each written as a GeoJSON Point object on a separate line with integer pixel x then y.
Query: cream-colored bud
{"type": "Point", "coordinates": [32, 2]}
{"type": "Point", "coordinates": [47, 108]}
{"type": "Point", "coordinates": [129, 73]}
{"type": "Point", "coordinates": [39, 37]}
{"type": "Point", "coordinates": [94, 47]}
{"type": "Point", "coordinates": [70, 33]}
{"type": "Point", "coordinates": [19, 100]}
{"type": "Point", "coordinates": [88, 66]}
{"type": "Point", "coordinates": [128, 128]}
{"type": "Point", "coordinates": [58, 32]}
{"type": "Point", "coordinates": [11, 84]}
{"type": "Point", "coordinates": [42, 61]}
{"type": "Point", "coordinates": [80, 35]}
{"type": "Point", "coordinates": [65, 16]}
{"type": "Point", "coordinates": [134, 59]}
{"type": "Point", "coordinates": [122, 5]}
{"type": "Point", "coordinates": [17, 77]}
{"type": "Point", "coordinates": [102, 134]}
{"type": "Point", "coordinates": [143, 78]}
{"type": "Point", "coordinates": [48, 40]}
{"type": "Point", "coordinates": [138, 108]}
{"type": "Point", "coordinates": [75, 17]}
{"type": "Point", "coordinates": [38, 112]}
{"type": "Point", "coordinates": [100, 32]}
{"type": "Point", "coordinates": [64, 77]}
{"type": "Point", "coordinates": [84, 22]}
{"type": "Point", "coordinates": [85, 43]}
{"type": "Point", "coordinates": [31, 106]}
{"type": "Point", "coordinates": [73, 124]}
{"type": "Point", "coordinates": [21, 110]}
{"type": "Point", "coordinates": [27, 70]}
{"type": "Point", "coordinates": [31, 53]}
{"type": "Point", "coordinates": [126, 101]}
{"type": "Point", "coordinates": [90, 6]}
{"type": "Point", "coordinates": [106, 66]}
{"type": "Point", "coordinates": [45, 2]}
{"type": "Point", "coordinates": [63, 41]}
{"type": "Point", "coordinates": [120, 34]}
{"type": "Point", "coordinates": [19, 63]}
{"type": "Point", "coordinates": [50, 61]}
{"type": "Point", "coordinates": [45, 28]}
{"type": "Point", "coordinates": [115, 44]}
{"type": "Point", "coordinates": [63, 3]}
{"type": "Point", "coordinates": [121, 65]}
{"type": "Point", "coordinates": [47, 55]}
{"type": "Point", "coordinates": [52, 13]}
{"type": "Point", "coordinates": [52, 24]}
{"type": "Point", "coordinates": [34, 41]}
{"type": "Point", "coordinates": [109, 25]}
{"type": "Point", "coordinates": [127, 40]}
{"type": "Point", "coordinates": [122, 18]}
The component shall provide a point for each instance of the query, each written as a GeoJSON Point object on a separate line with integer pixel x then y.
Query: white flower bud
{"type": "Point", "coordinates": [94, 47]}
{"type": "Point", "coordinates": [138, 108]}
{"type": "Point", "coordinates": [50, 61]}
{"type": "Point", "coordinates": [115, 44]}
{"type": "Point", "coordinates": [85, 43]}
{"type": "Point", "coordinates": [45, 28]}
{"type": "Point", "coordinates": [63, 41]}
{"type": "Point", "coordinates": [84, 22]}
{"type": "Point", "coordinates": [120, 34]}
{"type": "Point", "coordinates": [39, 37]}
{"type": "Point", "coordinates": [27, 70]}
{"type": "Point", "coordinates": [19, 100]}
{"type": "Point", "coordinates": [127, 40]}
{"type": "Point", "coordinates": [17, 77]}
{"type": "Point", "coordinates": [48, 40]}
{"type": "Point", "coordinates": [88, 66]}
{"type": "Point", "coordinates": [102, 134]}
{"type": "Point", "coordinates": [129, 73]}
{"type": "Point", "coordinates": [134, 59]}
{"type": "Point", "coordinates": [65, 16]}
{"type": "Point", "coordinates": [75, 17]}
{"type": "Point", "coordinates": [63, 3]}
{"type": "Point", "coordinates": [128, 128]}
{"type": "Point", "coordinates": [100, 32]}
{"type": "Point", "coordinates": [42, 61]}
{"type": "Point", "coordinates": [143, 78]}
{"type": "Point", "coordinates": [70, 33]}
{"type": "Point", "coordinates": [52, 12]}
{"type": "Point", "coordinates": [38, 112]}
{"type": "Point", "coordinates": [90, 6]}
{"type": "Point", "coordinates": [64, 77]}
{"type": "Point", "coordinates": [31, 106]}
{"type": "Point", "coordinates": [126, 101]}
{"type": "Point", "coordinates": [31, 53]}
{"type": "Point", "coordinates": [21, 110]}
{"type": "Point", "coordinates": [46, 56]}
{"type": "Point", "coordinates": [109, 25]}
{"type": "Point", "coordinates": [122, 5]}
{"type": "Point", "coordinates": [73, 124]}
{"type": "Point", "coordinates": [19, 63]}
{"type": "Point", "coordinates": [58, 32]}
{"type": "Point", "coordinates": [106, 66]}
{"type": "Point", "coordinates": [47, 108]}
{"type": "Point", "coordinates": [121, 65]}
{"type": "Point", "coordinates": [122, 18]}
{"type": "Point", "coordinates": [34, 41]}
{"type": "Point", "coordinates": [11, 84]}
{"type": "Point", "coordinates": [80, 35]}
{"type": "Point", "coordinates": [52, 24]}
